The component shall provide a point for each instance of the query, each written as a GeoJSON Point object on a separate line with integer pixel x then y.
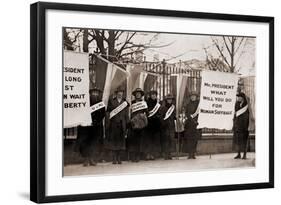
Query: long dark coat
{"type": "Point", "coordinates": [116, 127]}
{"type": "Point", "coordinates": [240, 128]}
{"type": "Point", "coordinates": [90, 138]}
{"type": "Point", "coordinates": [135, 135]}
{"type": "Point", "coordinates": [167, 128]}
{"type": "Point", "coordinates": [191, 133]}
{"type": "Point", "coordinates": [150, 141]}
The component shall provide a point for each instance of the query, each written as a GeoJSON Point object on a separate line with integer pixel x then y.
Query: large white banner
{"type": "Point", "coordinates": [217, 99]}
{"type": "Point", "coordinates": [76, 89]}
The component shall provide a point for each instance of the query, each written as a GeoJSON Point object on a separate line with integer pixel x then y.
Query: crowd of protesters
{"type": "Point", "coordinates": [146, 128]}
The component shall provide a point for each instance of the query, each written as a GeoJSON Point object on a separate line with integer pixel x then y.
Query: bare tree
{"type": "Point", "coordinates": [70, 37]}
{"type": "Point", "coordinates": [112, 44]}
{"type": "Point", "coordinates": [230, 49]}
{"type": "Point", "coordinates": [214, 63]}
{"type": "Point", "coordinates": [85, 40]}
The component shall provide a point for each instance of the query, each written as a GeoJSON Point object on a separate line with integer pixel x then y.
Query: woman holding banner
{"type": "Point", "coordinates": [90, 138]}
{"type": "Point", "coordinates": [150, 142]}
{"type": "Point", "coordinates": [191, 133]}
{"type": "Point", "coordinates": [138, 124]}
{"type": "Point", "coordinates": [240, 125]}
{"type": "Point", "coordinates": [117, 120]}
{"type": "Point", "coordinates": [168, 117]}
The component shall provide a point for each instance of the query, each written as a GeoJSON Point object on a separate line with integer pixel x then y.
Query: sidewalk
{"type": "Point", "coordinates": [216, 161]}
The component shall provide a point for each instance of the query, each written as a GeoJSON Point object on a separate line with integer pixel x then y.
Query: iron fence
{"type": "Point", "coordinates": [164, 84]}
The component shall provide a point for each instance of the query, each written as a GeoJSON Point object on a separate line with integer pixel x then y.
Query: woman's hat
{"type": "Point", "coordinates": [138, 90]}
{"type": "Point", "coordinates": [153, 92]}
{"type": "Point", "coordinates": [169, 96]}
{"type": "Point", "coordinates": [240, 94]}
{"type": "Point", "coordinates": [194, 93]}
{"type": "Point", "coordinates": [95, 89]}
{"type": "Point", "coordinates": [119, 90]}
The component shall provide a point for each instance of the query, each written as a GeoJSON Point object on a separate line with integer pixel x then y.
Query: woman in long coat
{"type": "Point", "coordinates": [191, 133]}
{"type": "Point", "coordinates": [240, 125]}
{"type": "Point", "coordinates": [90, 138]}
{"type": "Point", "coordinates": [117, 120]}
{"type": "Point", "coordinates": [150, 142]}
{"type": "Point", "coordinates": [168, 117]}
{"type": "Point", "coordinates": [137, 125]}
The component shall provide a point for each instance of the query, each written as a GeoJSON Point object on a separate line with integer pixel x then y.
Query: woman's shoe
{"type": "Point", "coordinates": [92, 162]}
{"type": "Point", "coordinates": [238, 156]}
{"type": "Point", "coordinates": [86, 163]}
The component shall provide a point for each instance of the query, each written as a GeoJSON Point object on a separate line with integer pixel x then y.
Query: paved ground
{"type": "Point", "coordinates": [217, 161]}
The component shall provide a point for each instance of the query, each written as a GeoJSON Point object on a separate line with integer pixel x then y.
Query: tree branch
{"type": "Point", "coordinates": [126, 42]}
{"type": "Point", "coordinates": [118, 34]}
{"type": "Point", "coordinates": [221, 53]}
{"type": "Point", "coordinates": [240, 43]}
{"type": "Point", "coordinates": [226, 45]}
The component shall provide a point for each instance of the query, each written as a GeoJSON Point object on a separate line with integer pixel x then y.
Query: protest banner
{"type": "Point", "coordinates": [217, 100]}
{"type": "Point", "coordinates": [110, 77]}
{"type": "Point", "coordinates": [179, 82]}
{"type": "Point", "coordinates": [76, 89]}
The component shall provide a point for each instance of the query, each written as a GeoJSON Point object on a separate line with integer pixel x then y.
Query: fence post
{"type": "Point", "coordinates": [163, 67]}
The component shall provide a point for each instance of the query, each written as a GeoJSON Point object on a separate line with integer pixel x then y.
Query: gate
{"type": "Point", "coordinates": [164, 84]}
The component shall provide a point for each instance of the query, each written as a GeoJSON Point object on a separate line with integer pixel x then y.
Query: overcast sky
{"type": "Point", "coordinates": [185, 47]}
{"type": "Point", "coordinates": [190, 46]}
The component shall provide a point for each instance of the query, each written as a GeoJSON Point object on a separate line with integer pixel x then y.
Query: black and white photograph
{"type": "Point", "coordinates": [134, 102]}
{"type": "Point", "coordinates": [138, 102]}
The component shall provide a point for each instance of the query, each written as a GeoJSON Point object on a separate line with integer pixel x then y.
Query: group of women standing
{"type": "Point", "coordinates": [145, 129]}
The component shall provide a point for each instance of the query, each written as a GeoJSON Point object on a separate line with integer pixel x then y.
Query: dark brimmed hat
{"type": "Point", "coordinates": [194, 93]}
{"type": "Point", "coordinates": [138, 90]}
{"type": "Point", "coordinates": [153, 92]}
{"type": "Point", "coordinates": [95, 89]}
{"type": "Point", "coordinates": [240, 82]}
{"type": "Point", "coordinates": [169, 96]}
{"type": "Point", "coordinates": [240, 94]}
{"type": "Point", "coordinates": [119, 90]}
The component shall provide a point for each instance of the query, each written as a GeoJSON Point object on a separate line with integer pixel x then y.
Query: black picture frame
{"type": "Point", "coordinates": [38, 100]}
